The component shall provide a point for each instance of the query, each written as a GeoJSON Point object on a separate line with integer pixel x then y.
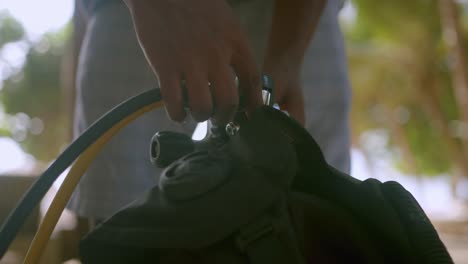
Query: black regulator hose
{"type": "Point", "coordinates": [36, 192]}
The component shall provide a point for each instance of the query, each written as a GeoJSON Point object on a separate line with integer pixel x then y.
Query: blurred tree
{"type": "Point", "coordinates": [10, 29]}
{"type": "Point", "coordinates": [32, 96]}
{"type": "Point", "coordinates": [401, 75]}
{"type": "Point", "coordinates": [454, 40]}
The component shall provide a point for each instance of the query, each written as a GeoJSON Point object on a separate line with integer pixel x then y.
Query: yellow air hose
{"type": "Point", "coordinates": [66, 189]}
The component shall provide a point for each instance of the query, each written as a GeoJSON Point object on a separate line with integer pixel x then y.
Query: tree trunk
{"type": "Point", "coordinates": [401, 139]}
{"type": "Point", "coordinates": [454, 40]}
{"type": "Point", "coordinates": [440, 123]}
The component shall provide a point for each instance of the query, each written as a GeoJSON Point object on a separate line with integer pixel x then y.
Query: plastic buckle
{"type": "Point", "coordinates": [253, 232]}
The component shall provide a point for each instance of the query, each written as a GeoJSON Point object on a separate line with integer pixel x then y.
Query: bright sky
{"type": "Point", "coordinates": [39, 16]}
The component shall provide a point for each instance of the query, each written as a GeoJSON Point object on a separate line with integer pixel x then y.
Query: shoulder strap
{"type": "Point", "coordinates": [270, 239]}
{"type": "Point", "coordinates": [421, 233]}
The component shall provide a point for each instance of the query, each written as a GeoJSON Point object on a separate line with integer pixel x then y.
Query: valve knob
{"type": "Point", "coordinates": [168, 146]}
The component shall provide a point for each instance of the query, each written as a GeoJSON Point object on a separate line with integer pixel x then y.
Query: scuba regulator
{"type": "Point", "coordinates": [257, 190]}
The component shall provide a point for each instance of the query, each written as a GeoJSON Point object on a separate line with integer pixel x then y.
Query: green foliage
{"type": "Point", "coordinates": [431, 152]}
{"type": "Point", "coordinates": [10, 29]}
{"type": "Point", "coordinates": [397, 20]}
{"type": "Point", "coordinates": [39, 79]}
{"type": "Point", "coordinates": [35, 92]}
{"type": "Point", "coordinates": [395, 53]}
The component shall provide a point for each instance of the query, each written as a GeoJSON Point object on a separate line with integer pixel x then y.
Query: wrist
{"type": "Point", "coordinates": [135, 5]}
{"type": "Point", "coordinates": [274, 65]}
{"type": "Point", "coordinates": [131, 3]}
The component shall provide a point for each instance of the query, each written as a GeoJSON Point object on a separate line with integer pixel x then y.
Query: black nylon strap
{"type": "Point", "coordinates": [267, 249]}
{"type": "Point", "coordinates": [269, 241]}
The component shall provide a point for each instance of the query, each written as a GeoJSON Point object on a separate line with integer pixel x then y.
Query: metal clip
{"type": "Point", "coordinates": [232, 129]}
{"type": "Point", "coordinates": [266, 96]}
{"type": "Point", "coordinates": [267, 90]}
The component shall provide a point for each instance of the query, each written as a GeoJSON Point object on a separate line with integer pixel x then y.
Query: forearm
{"type": "Point", "coordinates": [294, 22]}
{"type": "Point", "coordinates": [137, 4]}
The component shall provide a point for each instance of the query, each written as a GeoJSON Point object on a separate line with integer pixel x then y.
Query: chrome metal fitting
{"type": "Point", "coordinates": [232, 129]}
{"type": "Point", "coordinates": [267, 90]}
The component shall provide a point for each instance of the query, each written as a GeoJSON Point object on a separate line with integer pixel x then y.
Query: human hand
{"type": "Point", "coordinates": [293, 25]}
{"type": "Point", "coordinates": [198, 42]}
{"type": "Point", "coordinates": [287, 89]}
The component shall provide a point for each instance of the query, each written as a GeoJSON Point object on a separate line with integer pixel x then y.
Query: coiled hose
{"type": "Point", "coordinates": [116, 118]}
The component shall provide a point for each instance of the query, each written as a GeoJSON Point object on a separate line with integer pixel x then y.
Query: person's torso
{"type": "Point", "coordinates": [92, 5]}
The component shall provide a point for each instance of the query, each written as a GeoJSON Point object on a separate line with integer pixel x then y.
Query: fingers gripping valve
{"type": "Point", "coordinates": [167, 146]}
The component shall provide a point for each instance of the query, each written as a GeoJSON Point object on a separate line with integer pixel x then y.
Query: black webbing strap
{"type": "Point", "coordinates": [263, 241]}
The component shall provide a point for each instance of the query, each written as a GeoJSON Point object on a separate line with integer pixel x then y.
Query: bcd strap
{"type": "Point", "coordinates": [421, 233]}
{"type": "Point", "coordinates": [248, 199]}
{"type": "Point", "coordinates": [268, 240]}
